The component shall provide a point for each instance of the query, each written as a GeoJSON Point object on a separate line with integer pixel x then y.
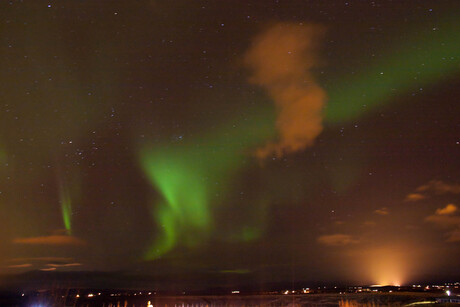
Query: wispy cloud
{"type": "Point", "coordinates": [48, 269]}
{"type": "Point", "coordinates": [414, 197]}
{"type": "Point", "coordinates": [63, 265]}
{"type": "Point", "coordinates": [447, 210]}
{"type": "Point", "coordinates": [382, 211]}
{"type": "Point", "coordinates": [42, 259]}
{"type": "Point", "coordinates": [448, 219]}
{"type": "Point", "coordinates": [436, 187]}
{"type": "Point", "coordinates": [439, 187]}
{"type": "Point", "coordinates": [453, 236]}
{"type": "Point", "coordinates": [337, 240]}
{"type": "Point", "coordinates": [50, 240]}
{"type": "Point", "coordinates": [445, 221]}
{"type": "Point", "coordinates": [19, 266]}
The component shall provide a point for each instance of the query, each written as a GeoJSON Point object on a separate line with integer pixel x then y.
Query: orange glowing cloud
{"type": "Point", "coordinates": [415, 197]}
{"type": "Point", "coordinates": [42, 259]}
{"type": "Point", "coordinates": [337, 240]}
{"type": "Point", "coordinates": [382, 211]}
{"type": "Point", "coordinates": [280, 60]}
{"type": "Point", "coordinates": [447, 218]}
{"type": "Point", "coordinates": [63, 265]}
{"type": "Point", "coordinates": [445, 221]}
{"type": "Point", "coordinates": [444, 216]}
{"type": "Point", "coordinates": [454, 236]}
{"type": "Point", "coordinates": [447, 210]}
{"type": "Point", "coordinates": [369, 223]}
{"type": "Point", "coordinates": [48, 269]}
{"type": "Point", "coordinates": [50, 240]}
{"type": "Point", "coordinates": [433, 187]}
{"type": "Point", "coordinates": [19, 266]}
{"type": "Point", "coordinates": [439, 187]}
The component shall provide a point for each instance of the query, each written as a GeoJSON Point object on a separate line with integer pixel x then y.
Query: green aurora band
{"type": "Point", "coordinates": [431, 56]}
{"type": "Point", "coordinates": [189, 175]}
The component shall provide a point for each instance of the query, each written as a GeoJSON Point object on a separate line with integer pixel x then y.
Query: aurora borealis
{"type": "Point", "coordinates": [66, 205]}
{"type": "Point", "coordinates": [184, 183]}
{"type": "Point", "coordinates": [216, 143]}
{"type": "Point", "coordinates": [190, 177]}
{"type": "Point", "coordinates": [426, 58]}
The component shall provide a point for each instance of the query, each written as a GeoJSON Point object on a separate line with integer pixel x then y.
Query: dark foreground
{"type": "Point", "coordinates": [341, 300]}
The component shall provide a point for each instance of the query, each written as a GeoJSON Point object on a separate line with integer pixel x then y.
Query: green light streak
{"type": "Point", "coordinates": [167, 220]}
{"type": "Point", "coordinates": [66, 209]}
{"type": "Point", "coordinates": [426, 59]}
{"type": "Point", "coordinates": [191, 175]}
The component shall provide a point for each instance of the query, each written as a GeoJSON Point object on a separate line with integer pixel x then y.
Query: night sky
{"type": "Point", "coordinates": [221, 141]}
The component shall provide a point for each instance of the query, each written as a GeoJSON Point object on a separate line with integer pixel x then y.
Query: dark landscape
{"type": "Point", "coordinates": [353, 296]}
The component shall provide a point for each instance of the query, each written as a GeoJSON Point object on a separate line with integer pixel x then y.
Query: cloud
{"type": "Point", "coordinates": [453, 236]}
{"type": "Point", "coordinates": [48, 269]}
{"type": "Point", "coordinates": [445, 221]}
{"type": "Point", "coordinates": [382, 211]}
{"type": "Point", "coordinates": [19, 266]}
{"type": "Point", "coordinates": [337, 240]}
{"type": "Point", "coordinates": [415, 197]}
{"type": "Point", "coordinates": [63, 265]}
{"type": "Point", "coordinates": [433, 187]}
{"type": "Point", "coordinates": [42, 259]}
{"type": "Point", "coordinates": [447, 218]}
{"type": "Point", "coordinates": [439, 187]}
{"type": "Point", "coordinates": [50, 240]}
{"type": "Point", "coordinates": [447, 210]}
{"type": "Point", "coordinates": [280, 60]}
{"type": "Point", "coordinates": [54, 262]}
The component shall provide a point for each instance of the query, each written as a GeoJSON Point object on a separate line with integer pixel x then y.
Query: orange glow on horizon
{"type": "Point", "coordinates": [388, 266]}
{"type": "Point", "coordinates": [391, 265]}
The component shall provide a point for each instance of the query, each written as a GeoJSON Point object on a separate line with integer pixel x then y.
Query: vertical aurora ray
{"type": "Point", "coordinates": [66, 208]}
{"type": "Point", "coordinates": [69, 191]}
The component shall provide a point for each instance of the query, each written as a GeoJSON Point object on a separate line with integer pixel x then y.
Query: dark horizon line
{"type": "Point", "coordinates": [124, 280]}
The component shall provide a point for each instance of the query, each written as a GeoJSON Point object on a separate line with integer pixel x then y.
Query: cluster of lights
{"type": "Point", "coordinates": [304, 290]}
{"type": "Point", "coordinates": [446, 288]}
{"type": "Point", "coordinates": [90, 295]}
